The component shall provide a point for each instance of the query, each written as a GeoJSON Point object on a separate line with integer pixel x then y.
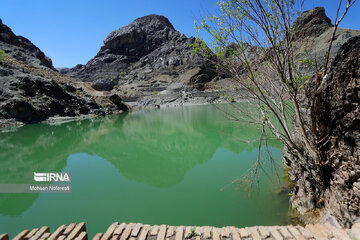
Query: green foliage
{"type": "Point", "coordinates": [192, 234]}
{"type": "Point", "coordinates": [300, 80]}
{"type": "Point", "coordinates": [231, 99]}
{"type": "Point", "coordinates": [200, 47]}
{"type": "Point", "coordinates": [253, 43]}
{"type": "Point", "coordinates": [2, 55]}
{"type": "Point", "coordinates": [155, 92]}
{"type": "Point", "coordinates": [115, 86]}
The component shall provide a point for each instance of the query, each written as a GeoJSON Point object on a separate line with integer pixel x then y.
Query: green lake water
{"type": "Point", "coordinates": [166, 166]}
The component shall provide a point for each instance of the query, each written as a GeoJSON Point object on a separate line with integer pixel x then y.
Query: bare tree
{"type": "Point", "coordinates": [253, 41]}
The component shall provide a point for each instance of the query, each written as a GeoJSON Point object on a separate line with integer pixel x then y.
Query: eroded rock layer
{"type": "Point", "coordinates": [145, 56]}
{"type": "Point", "coordinates": [330, 191]}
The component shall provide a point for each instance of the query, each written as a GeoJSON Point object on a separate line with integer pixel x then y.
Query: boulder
{"type": "Point", "coordinates": [116, 99]}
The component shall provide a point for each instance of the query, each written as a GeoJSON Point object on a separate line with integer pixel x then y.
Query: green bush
{"type": "Point", "coordinates": [2, 55]}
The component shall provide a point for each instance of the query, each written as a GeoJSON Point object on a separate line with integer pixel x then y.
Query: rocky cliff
{"type": "Point", "coordinates": [330, 190]}
{"type": "Point", "coordinates": [22, 48]}
{"type": "Point", "coordinates": [31, 90]}
{"type": "Point", "coordinates": [312, 23]}
{"type": "Point", "coordinates": [145, 57]}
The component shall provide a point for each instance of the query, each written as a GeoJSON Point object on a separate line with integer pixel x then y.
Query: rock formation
{"type": "Point", "coordinates": [22, 49]}
{"type": "Point", "coordinates": [32, 91]}
{"type": "Point", "coordinates": [312, 23]}
{"type": "Point", "coordinates": [145, 56]}
{"type": "Point", "coordinates": [331, 190]}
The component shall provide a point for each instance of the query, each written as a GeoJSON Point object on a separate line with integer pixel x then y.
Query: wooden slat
{"type": "Point", "coordinates": [294, 231]}
{"type": "Point", "coordinates": [115, 237]}
{"type": "Point", "coordinates": [179, 233]}
{"type": "Point", "coordinates": [170, 231]}
{"type": "Point", "coordinates": [107, 235]}
{"type": "Point", "coordinates": [154, 230]}
{"type": "Point", "coordinates": [97, 236]}
{"type": "Point", "coordinates": [162, 232]}
{"type": "Point", "coordinates": [4, 236]}
{"type": "Point", "coordinates": [264, 232]}
{"type": "Point", "coordinates": [69, 228]}
{"type": "Point", "coordinates": [32, 233]}
{"type": "Point", "coordinates": [225, 232]}
{"type": "Point", "coordinates": [285, 232]}
{"type": "Point", "coordinates": [144, 232]}
{"type": "Point", "coordinates": [304, 232]}
{"type": "Point", "coordinates": [82, 236]}
{"type": "Point", "coordinates": [136, 230]}
{"type": "Point", "coordinates": [41, 231]}
{"type": "Point", "coordinates": [215, 233]}
{"type": "Point", "coordinates": [198, 230]}
{"type": "Point", "coordinates": [119, 229]}
{"type": "Point", "coordinates": [57, 232]}
{"type": "Point", "coordinates": [254, 233]}
{"type": "Point", "coordinates": [21, 235]}
{"type": "Point", "coordinates": [81, 227]}
{"type": "Point", "coordinates": [187, 231]}
{"type": "Point", "coordinates": [317, 232]}
{"type": "Point", "coordinates": [234, 233]}
{"type": "Point", "coordinates": [127, 231]}
{"type": "Point", "coordinates": [45, 235]}
{"type": "Point", "coordinates": [243, 233]}
{"type": "Point", "coordinates": [62, 237]}
{"type": "Point", "coordinates": [275, 234]}
{"type": "Point", "coordinates": [207, 232]}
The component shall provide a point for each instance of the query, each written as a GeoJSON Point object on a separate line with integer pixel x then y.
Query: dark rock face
{"type": "Point", "coordinates": [341, 120]}
{"type": "Point", "coordinates": [31, 91]}
{"type": "Point", "coordinates": [140, 37]}
{"type": "Point", "coordinates": [312, 23]}
{"type": "Point", "coordinates": [140, 52]}
{"type": "Point", "coordinates": [116, 99]}
{"type": "Point", "coordinates": [31, 99]}
{"type": "Point", "coordinates": [334, 187]}
{"type": "Point", "coordinates": [21, 48]}
{"type": "Point", "coordinates": [104, 84]}
{"type": "Point", "coordinates": [199, 79]}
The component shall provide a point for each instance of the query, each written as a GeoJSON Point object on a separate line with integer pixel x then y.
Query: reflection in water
{"type": "Point", "coordinates": [159, 150]}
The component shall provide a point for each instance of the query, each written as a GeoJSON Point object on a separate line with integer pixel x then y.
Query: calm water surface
{"type": "Point", "coordinates": [172, 166]}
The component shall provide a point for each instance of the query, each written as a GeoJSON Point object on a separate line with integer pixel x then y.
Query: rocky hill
{"type": "Point", "coordinates": [329, 191]}
{"type": "Point", "coordinates": [22, 49]}
{"type": "Point", "coordinates": [146, 63]}
{"type": "Point", "coordinates": [145, 58]}
{"type": "Point", "coordinates": [149, 63]}
{"type": "Point", "coordinates": [31, 90]}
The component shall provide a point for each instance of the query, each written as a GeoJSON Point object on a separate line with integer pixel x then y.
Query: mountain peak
{"type": "Point", "coordinates": [140, 37]}
{"type": "Point", "coordinates": [154, 19]}
{"type": "Point", "coordinates": [312, 23]}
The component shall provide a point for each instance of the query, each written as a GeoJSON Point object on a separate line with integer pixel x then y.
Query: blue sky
{"type": "Point", "coordinates": [72, 31]}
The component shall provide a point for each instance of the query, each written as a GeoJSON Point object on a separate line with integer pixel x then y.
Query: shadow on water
{"type": "Point", "coordinates": [161, 149]}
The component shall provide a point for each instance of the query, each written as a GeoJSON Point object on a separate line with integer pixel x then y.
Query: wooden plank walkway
{"type": "Point", "coordinates": [139, 231]}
